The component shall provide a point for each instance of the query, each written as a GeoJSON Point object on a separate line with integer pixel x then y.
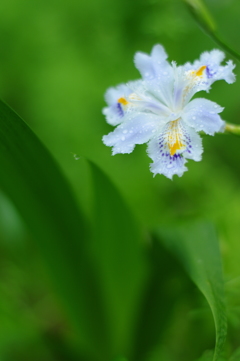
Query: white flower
{"type": "Point", "coordinates": [158, 109]}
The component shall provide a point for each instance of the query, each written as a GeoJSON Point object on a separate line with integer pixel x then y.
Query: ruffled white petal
{"type": "Point", "coordinates": [202, 114]}
{"type": "Point", "coordinates": [157, 73]}
{"type": "Point", "coordinates": [163, 162]}
{"type": "Point", "coordinates": [135, 130]}
{"type": "Point", "coordinates": [214, 57]}
{"type": "Point", "coordinates": [170, 148]}
{"type": "Point", "coordinates": [114, 93]}
{"type": "Point", "coordinates": [189, 82]}
{"type": "Point", "coordinates": [142, 99]}
{"type": "Point", "coordinates": [194, 147]}
{"type": "Point", "coordinates": [214, 70]}
{"type": "Point", "coordinates": [151, 66]}
{"type": "Point", "coordinates": [115, 111]}
{"type": "Point", "coordinates": [226, 73]}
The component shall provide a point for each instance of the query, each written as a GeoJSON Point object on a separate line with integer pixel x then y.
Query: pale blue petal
{"type": "Point", "coordinates": [115, 112]}
{"type": "Point", "coordinates": [143, 100]}
{"type": "Point", "coordinates": [159, 149]}
{"type": "Point", "coordinates": [194, 147]}
{"type": "Point", "coordinates": [214, 57]}
{"type": "Point", "coordinates": [163, 162]}
{"type": "Point", "coordinates": [114, 93]}
{"type": "Point", "coordinates": [151, 66]}
{"type": "Point", "coordinates": [226, 73]}
{"type": "Point", "coordinates": [214, 70]}
{"type": "Point", "coordinates": [210, 69]}
{"type": "Point", "coordinates": [137, 129]}
{"type": "Point", "coordinates": [157, 73]}
{"type": "Point", "coordinates": [162, 89]}
{"type": "Point", "coordinates": [202, 114]}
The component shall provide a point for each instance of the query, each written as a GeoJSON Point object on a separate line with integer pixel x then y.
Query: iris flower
{"type": "Point", "coordinates": [158, 109]}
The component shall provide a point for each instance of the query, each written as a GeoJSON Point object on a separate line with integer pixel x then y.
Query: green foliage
{"type": "Point", "coordinates": [81, 277]}
{"type": "Point", "coordinates": [46, 203]}
{"type": "Point", "coordinates": [201, 14]}
{"type": "Point", "coordinates": [118, 256]}
{"type": "Point", "coordinates": [235, 356]}
{"type": "Point", "coordinates": [197, 248]}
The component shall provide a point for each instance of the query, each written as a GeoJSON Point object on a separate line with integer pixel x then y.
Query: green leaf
{"type": "Point", "coordinates": [205, 20]}
{"type": "Point", "coordinates": [166, 284]}
{"type": "Point", "coordinates": [196, 246]}
{"type": "Point", "coordinates": [35, 184]}
{"type": "Point", "coordinates": [120, 359]}
{"type": "Point", "coordinates": [119, 258]}
{"type": "Point", "coordinates": [236, 355]}
{"type": "Point", "coordinates": [201, 14]}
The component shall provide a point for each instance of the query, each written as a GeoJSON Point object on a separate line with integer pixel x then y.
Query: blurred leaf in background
{"type": "Point", "coordinates": [196, 246]}
{"type": "Point", "coordinates": [57, 59]}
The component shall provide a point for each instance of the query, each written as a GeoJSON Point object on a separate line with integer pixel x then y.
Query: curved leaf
{"type": "Point", "coordinates": [197, 248]}
{"type": "Point", "coordinates": [119, 259]}
{"type": "Point", "coordinates": [35, 184]}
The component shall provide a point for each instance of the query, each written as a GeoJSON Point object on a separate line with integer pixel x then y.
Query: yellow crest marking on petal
{"type": "Point", "coordinates": [193, 77]}
{"type": "Point", "coordinates": [134, 96]}
{"type": "Point", "coordinates": [123, 101]}
{"type": "Point", "coordinates": [174, 137]}
{"type": "Point", "coordinates": [200, 71]}
{"type": "Point", "coordinates": [176, 146]}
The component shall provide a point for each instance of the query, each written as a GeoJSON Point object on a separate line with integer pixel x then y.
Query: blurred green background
{"type": "Point", "coordinates": [57, 60]}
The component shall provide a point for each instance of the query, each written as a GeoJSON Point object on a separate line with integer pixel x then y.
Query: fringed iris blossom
{"type": "Point", "coordinates": [158, 109]}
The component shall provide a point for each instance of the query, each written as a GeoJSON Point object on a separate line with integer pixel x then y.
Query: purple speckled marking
{"type": "Point", "coordinates": [209, 75]}
{"type": "Point", "coordinates": [209, 72]}
{"type": "Point", "coordinates": [120, 110]}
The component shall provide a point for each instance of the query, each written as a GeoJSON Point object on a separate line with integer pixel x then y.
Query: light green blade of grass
{"type": "Point", "coordinates": [196, 246]}
{"type": "Point", "coordinates": [119, 258]}
{"type": "Point", "coordinates": [32, 180]}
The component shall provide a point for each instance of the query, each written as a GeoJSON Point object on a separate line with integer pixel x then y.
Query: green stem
{"type": "Point", "coordinates": [204, 19]}
{"type": "Point", "coordinates": [224, 46]}
{"type": "Point", "coordinates": [232, 128]}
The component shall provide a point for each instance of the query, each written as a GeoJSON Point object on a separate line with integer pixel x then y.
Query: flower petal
{"type": "Point", "coordinates": [157, 72]}
{"type": "Point", "coordinates": [194, 147]}
{"type": "Point", "coordinates": [151, 66]}
{"type": "Point", "coordinates": [215, 71]}
{"type": "Point", "coordinates": [204, 72]}
{"type": "Point", "coordinates": [116, 110]}
{"type": "Point", "coordinates": [163, 162]}
{"type": "Point", "coordinates": [135, 130]}
{"type": "Point", "coordinates": [143, 100]}
{"type": "Point", "coordinates": [202, 114]}
{"type": "Point", "coordinates": [169, 150]}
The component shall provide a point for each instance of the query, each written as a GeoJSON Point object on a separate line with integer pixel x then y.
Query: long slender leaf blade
{"type": "Point", "coordinates": [33, 181]}
{"type": "Point", "coordinates": [158, 301]}
{"type": "Point", "coordinates": [197, 248]}
{"type": "Point", "coordinates": [119, 257]}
